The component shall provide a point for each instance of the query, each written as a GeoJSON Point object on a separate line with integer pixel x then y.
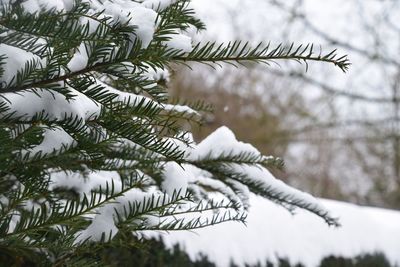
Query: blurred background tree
{"type": "Point", "coordinates": [340, 140]}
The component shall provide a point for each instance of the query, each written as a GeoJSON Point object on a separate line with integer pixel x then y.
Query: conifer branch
{"type": "Point", "coordinates": [239, 52]}
{"type": "Point", "coordinates": [133, 138]}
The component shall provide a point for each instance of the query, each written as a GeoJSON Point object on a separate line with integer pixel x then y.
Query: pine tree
{"type": "Point", "coordinates": [94, 152]}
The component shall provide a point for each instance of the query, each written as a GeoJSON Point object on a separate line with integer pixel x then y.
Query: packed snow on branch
{"type": "Point", "coordinates": [196, 172]}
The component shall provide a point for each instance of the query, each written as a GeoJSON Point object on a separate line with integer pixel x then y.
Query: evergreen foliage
{"type": "Point", "coordinates": [153, 253]}
{"type": "Point", "coordinates": [92, 153]}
